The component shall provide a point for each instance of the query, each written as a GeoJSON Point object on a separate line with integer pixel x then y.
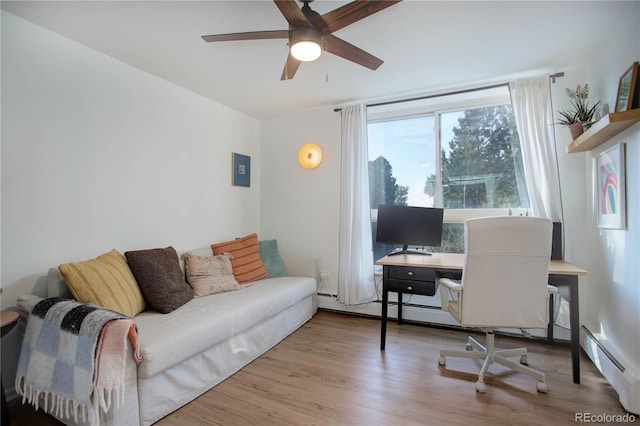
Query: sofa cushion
{"type": "Point", "coordinates": [206, 321]}
{"type": "Point", "coordinates": [160, 278]}
{"type": "Point", "coordinates": [210, 274]}
{"type": "Point", "coordinates": [271, 258]}
{"type": "Point", "coordinates": [246, 262]}
{"type": "Point", "coordinates": [105, 281]}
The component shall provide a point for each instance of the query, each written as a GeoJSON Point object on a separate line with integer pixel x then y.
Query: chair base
{"type": "Point", "coordinates": [474, 350]}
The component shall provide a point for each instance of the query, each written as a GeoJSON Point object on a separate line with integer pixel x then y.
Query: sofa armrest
{"type": "Point", "coordinates": [300, 266]}
{"type": "Point", "coordinates": [56, 287]}
{"type": "Point", "coordinates": [25, 306]}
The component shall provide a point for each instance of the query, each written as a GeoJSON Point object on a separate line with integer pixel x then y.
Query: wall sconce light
{"type": "Point", "coordinates": [310, 156]}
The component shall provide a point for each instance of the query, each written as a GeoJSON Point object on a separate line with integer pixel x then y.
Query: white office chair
{"type": "Point", "coordinates": [504, 285]}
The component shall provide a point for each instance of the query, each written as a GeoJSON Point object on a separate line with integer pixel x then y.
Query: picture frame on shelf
{"type": "Point", "coordinates": [628, 92]}
{"type": "Point", "coordinates": [611, 187]}
{"type": "Point", "coordinates": [241, 175]}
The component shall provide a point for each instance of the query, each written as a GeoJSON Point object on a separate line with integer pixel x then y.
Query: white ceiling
{"type": "Point", "coordinates": [427, 46]}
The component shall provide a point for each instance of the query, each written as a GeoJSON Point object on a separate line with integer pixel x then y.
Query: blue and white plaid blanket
{"type": "Point", "coordinates": [57, 360]}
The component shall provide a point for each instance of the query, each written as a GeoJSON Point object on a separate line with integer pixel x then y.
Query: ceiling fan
{"type": "Point", "coordinates": [309, 33]}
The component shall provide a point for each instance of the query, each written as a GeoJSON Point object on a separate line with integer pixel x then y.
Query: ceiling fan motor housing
{"type": "Point", "coordinates": [305, 34]}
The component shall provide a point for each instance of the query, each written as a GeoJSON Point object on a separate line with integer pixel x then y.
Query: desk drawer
{"type": "Point", "coordinates": [411, 273]}
{"type": "Point", "coordinates": [425, 288]}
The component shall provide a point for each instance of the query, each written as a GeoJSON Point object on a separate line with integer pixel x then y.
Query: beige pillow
{"type": "Point", "coordinates": [210, 274]}
{"type": "Point", "coordinates": [247, 264]}
{"type": "Point", "coordinates": [105, 281]}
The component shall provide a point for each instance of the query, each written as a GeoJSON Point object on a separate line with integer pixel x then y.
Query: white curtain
{"type": "Point", "coordinates": [355, 269]}
{"type": "Point", "coordinates": [531, 102]}
{"type": "Point", "coordinates": [530, 99]}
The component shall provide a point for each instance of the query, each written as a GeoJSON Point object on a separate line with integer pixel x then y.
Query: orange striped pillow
{"type": "Point", "coordinates": [246, 263]}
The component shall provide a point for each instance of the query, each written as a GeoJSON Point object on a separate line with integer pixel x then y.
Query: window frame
{"type": "Point", "coordinates": [434, 107]}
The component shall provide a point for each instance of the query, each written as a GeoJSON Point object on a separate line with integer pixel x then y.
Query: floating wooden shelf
{"type": "Point", "coordinates": [603, 130]}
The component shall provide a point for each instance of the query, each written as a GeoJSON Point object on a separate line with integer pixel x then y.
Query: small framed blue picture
{"type": "Point", "coordinates": [241, 175]}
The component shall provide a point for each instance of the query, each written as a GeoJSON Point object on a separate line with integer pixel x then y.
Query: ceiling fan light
{"type": "Point", "coordinates": [306, 44]}
{"type": "Point", "coordinates": [306, 50]}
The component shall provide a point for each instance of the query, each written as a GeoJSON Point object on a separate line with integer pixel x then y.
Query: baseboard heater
{"type": "Point", "coordinates": [625, 381]}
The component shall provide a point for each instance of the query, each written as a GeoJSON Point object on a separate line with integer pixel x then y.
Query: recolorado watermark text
{"type": "Point", "coordinates": [604, 418]}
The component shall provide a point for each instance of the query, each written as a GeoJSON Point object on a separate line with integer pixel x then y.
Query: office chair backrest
{"type": "Point", "coordinates": [505, 272]}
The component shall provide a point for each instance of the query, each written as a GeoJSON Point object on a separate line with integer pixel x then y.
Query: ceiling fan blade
{"type": "Point", "coordinates": [252, 35]}
{"type": "Point", "coordinates": [351, 53]}
{"type": "Point", "coordinates": [292, 13]}
{"type": "Point", "coordinates": [349, 13]}
{"type": "Point", "coordinates": [290, 68]}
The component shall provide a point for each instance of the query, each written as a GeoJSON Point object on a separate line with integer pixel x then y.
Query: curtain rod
{"type": "Point", "coordinates": [556, 75]}
{"type": "Point", "coordinates": [456, 92]}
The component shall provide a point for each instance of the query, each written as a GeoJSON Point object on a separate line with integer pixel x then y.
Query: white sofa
{"type": "Point", "coordinates": [192, 349]}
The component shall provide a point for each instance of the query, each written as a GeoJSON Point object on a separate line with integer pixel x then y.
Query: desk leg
{"type": "Point", "coordinates": [574, 320]}
{"type": "Point", "coordinates": [571, 281]}
{"type": "Point", "coordinates": [399, 308]}
{"type": "Point", "coordinates": [383, 319]}
{"type": "Point", "coordinates": [551, 316]}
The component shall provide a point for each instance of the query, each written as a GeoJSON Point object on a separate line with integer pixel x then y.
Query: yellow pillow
{"type": "Point", "coordinates": [247, 264]}
{"type": "Point", "coordinates": [105, 281]}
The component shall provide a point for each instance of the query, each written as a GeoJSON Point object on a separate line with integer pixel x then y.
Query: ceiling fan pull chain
{"type": "Point", "coordinates": [326, 60]}
{"type": "Point", "coordinates": [286, 62]}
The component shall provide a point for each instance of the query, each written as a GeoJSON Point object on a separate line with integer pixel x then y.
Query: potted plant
{"type": "Point", "coordinates": [580, 112]}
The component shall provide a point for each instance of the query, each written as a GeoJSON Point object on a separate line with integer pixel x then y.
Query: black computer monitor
{"type": "Point", "coordinates": [407, 225]}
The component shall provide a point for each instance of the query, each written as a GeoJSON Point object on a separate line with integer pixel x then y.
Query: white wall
{"type": "Point", "coordinates": [611, 292]}
{"type": "Point", "coordinates": [99, 155]}
{"type": "Point", "coordinates": [300, 207]}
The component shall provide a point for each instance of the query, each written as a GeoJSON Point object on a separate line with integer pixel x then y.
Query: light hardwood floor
{"type": "Point", "coordinates": [332, 372]}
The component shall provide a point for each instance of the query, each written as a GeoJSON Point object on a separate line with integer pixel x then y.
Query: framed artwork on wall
{"type": "Point", "coordinates": [610, 172]}
{"type": "Point", "coordinates": [241, 175]}
{"type": "Point", "coordinates": [628, 93]}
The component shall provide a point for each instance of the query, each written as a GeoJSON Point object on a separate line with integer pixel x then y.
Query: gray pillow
{"type": "Point", "coordinates": [160, 278]}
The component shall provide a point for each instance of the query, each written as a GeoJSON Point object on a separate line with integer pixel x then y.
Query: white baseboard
{"type": "Point", "coordinates": [624, 379]}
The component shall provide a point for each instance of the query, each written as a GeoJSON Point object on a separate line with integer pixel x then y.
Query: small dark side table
{"type": "Point", "coordinates": [8, 320]}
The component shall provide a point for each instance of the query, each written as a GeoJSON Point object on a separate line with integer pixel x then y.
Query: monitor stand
{"type": "Point", "coordinates": [406, 250]}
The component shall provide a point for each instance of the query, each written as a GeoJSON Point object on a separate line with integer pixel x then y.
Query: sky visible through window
{"type": "Point", "coordinates": [409, 146]}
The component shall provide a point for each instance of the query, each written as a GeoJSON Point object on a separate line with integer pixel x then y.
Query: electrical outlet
{"type": "Point", "coordinates": [324, 276]}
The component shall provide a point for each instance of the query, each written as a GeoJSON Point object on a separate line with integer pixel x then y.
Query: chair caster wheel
{"type": "Point", "coordinates": [480, 387]}
{"type": "Point", "coordinates": [541, 387]}
{"type": "Point", "coordinates": [523, 360]}
{"type": "Point", "coordinates": [468, 347]}
{"type": "Point", "coordinates": [442, 361]}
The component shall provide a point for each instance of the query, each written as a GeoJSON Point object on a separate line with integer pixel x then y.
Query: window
{"type": "Point", "coordinates": [459, 152]}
